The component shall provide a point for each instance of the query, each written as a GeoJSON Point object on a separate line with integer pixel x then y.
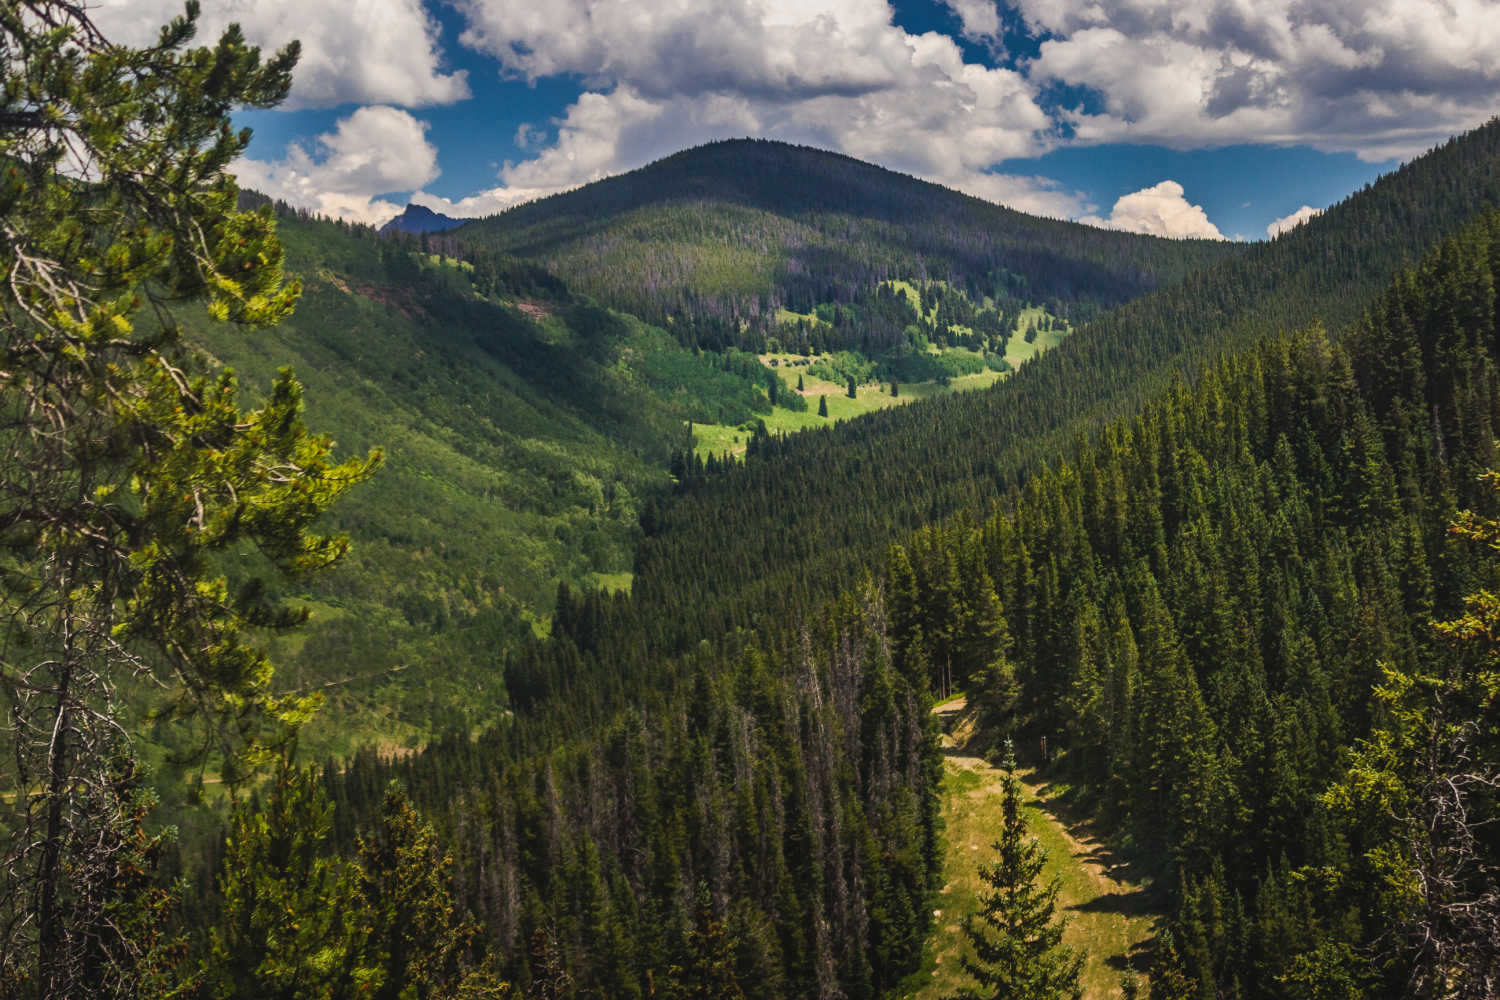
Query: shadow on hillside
{"type": "Point", "coordinates": [1135, 903]}
{"type": "Point", "coordinates": [1067, 807]}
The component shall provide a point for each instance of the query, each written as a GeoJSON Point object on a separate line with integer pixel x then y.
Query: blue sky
{"type": "Point", "coordinates": [1189, 117]}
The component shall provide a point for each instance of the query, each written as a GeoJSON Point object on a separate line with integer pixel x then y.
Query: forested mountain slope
{"type": "Point", "coordinates": [731, 232]}
{"type": "Point", "coordinates": [1222, 610]}
{"type": "Point", "coordinates": [1195, 609]}
{"type": "Point", "coordinates": [755, 539]}
{"type": "Point", "coordinates": [525, 431]}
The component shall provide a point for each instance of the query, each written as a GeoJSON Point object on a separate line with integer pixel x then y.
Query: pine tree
{"type": "Point", "coordinates": [129, 474]}
{"type": "Point", "coordinates": [822, 406]}
{"type": "Point", "coordinates": [1016, 937]}
{"type": "Point", "coordinates": [853, 388]}
{"type": "Point", "coordinates": [294, 921]}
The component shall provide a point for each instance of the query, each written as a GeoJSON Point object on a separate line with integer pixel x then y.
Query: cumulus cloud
{"type": "Point", "coordinates": [1287, 222]}
{"type": "Point", "coordinates": [832, 73]}
{"type": "Point", "coordinates": [980, 19]}
{"type": "Point", "coordinates": [765, 47]}
{"type": "Point", "coordinates": [1380, 78]}
{"type": "Point", "coordinates": [1160, 210]}
{"type": "Point", "coordinates": [353, 51]}
{"type": "Point", "coordinates": [374, 151]}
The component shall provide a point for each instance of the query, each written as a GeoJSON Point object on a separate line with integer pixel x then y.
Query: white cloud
{"type": "Point", "coordinates": [1292, 221]}
{"type": "Point", "coordinates": [980, 18]}
{"type": "Point", "coordinates": [838, 74]}
{"type": "Point", "coordinates": [374, 151]}
{"type": "Point", "coordinates": [667, 47]}
{"type": "Point", "coordinates": [1037, 195]}
{"type": "Point", "coordinates": [353, 51]}
{"type": "Point", "coordinates": [1381, 78]}
{"type": "Point", "coordinates": [1160, 210]}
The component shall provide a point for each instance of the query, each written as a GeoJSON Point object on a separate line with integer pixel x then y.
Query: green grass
{"type": "Point", "coordinates": [1111, 925]}
{"type": "Point", "coordinates": [615, 583]}
{"type": "Point", "coordinates": [1017, 350]}
{"type": "Point", "coordinates": [719, 439]}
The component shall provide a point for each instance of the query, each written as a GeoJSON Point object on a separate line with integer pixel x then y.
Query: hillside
{"type": "Point", "coordinates": [525, 431]}
{"type": "Point", "coordinates": [732, 232]}
{"type": "Point", "coordinates": [869, 481]}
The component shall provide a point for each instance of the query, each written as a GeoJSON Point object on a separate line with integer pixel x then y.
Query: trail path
{"type": "Point", "coordinates": [1108, 914]}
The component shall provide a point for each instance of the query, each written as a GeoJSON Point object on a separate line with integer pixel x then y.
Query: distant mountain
{"type": "Point", "coordinates": [734, 231]}
{"type": "Point", "coordinates": [417, 219]}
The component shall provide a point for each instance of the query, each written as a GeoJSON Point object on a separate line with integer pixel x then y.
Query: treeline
{"type": "Point", "coordinates": [883, 321]}
{"type": "Point", "coordinates": [757, 540]}
{"type": "Point", "coordinates": [1197, 607]}
{"type": "Point", "coordinates": [716, 240]}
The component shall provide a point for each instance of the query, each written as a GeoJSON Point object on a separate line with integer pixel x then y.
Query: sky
{"type": "Point", "coordinates": [1224, 119]}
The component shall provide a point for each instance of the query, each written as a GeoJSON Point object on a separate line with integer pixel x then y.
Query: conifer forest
{"type": "Point", "coordinates": [493, 612]}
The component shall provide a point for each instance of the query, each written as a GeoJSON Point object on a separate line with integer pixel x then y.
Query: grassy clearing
{"type": "Point", "coordinates": [718, 439]}
{"type": "Point", "coordinates": [1108, 917]}
{"type": "Point", "coordinates": [615, 583]}
{"type": "Point", "coordinates": [1017, 350]}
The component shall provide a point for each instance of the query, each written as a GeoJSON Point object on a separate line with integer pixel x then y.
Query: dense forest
{"type": "Point", "coordinates": [583, 714]}
{"type": "Point", "coordinates": [1198, 606]}
{"type": "Point", "coordinates": [854, 489]}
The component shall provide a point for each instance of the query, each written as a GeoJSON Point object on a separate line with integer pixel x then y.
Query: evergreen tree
{"type": "Point", "coordinates": [294, 923]}
{"type": "Point", "coordinates": [1016, 936]}
{"type": "Point", "coordinates": [130, 477]}
{"type": "Point", "coordinates": [708, 971]}
{"type": "Point", "coordinates": [415, 934]}
{"type": "Point", "coordinates": [853, 388]}
{"type": "Point", "coordinates": [822, 406]}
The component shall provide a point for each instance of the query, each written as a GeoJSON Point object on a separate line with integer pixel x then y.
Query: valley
{"type": "Point", "coordinates": [646, 589]}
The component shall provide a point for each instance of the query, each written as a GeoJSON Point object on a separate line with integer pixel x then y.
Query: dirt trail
{"type": "Point", "coordinates": [1109, 919]}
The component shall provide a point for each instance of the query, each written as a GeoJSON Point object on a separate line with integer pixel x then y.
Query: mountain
{"type": "Point", "coordinates": [1193, 606]}
{"type": "Point", "coordinates": [529, 431]}
{"type": "Point", "coordinates": [1184, 547]}
{"type": "Point", "coordinates": [418, 219]}
{"type": "Point", "coordinates": [862, 484]}
{"type": "Point", "coordinates": [732, 232]}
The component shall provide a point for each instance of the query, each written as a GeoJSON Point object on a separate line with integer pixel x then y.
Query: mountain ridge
{"type": "Point", "coordinates": [735, 231]}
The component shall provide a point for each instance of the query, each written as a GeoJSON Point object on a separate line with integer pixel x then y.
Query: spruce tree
{"type": "Point", "coordinates": [1015, 937]}
{"type": "Point", "coordinates": [822, 406]}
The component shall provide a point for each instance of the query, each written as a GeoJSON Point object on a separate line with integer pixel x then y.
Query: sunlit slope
{"type": "Point", "coordinates": [523, 438]}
